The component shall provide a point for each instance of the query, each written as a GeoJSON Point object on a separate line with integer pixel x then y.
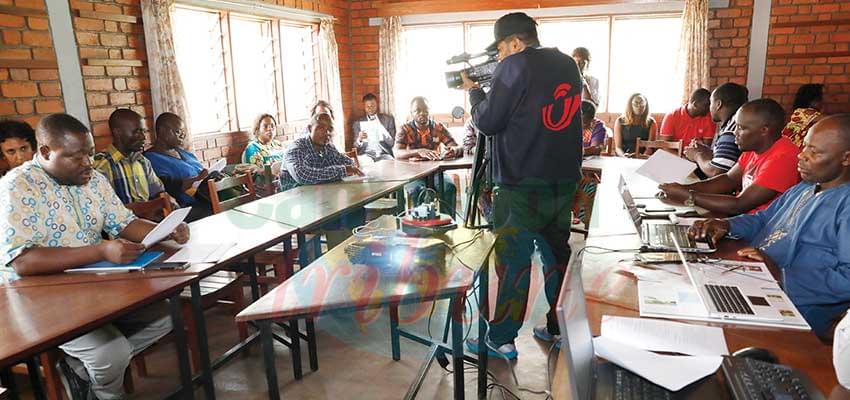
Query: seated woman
{"type": "Point", "coordinates": [807, 105]}
{"type": "Point", "coordinates": [17, 142]}
{"type": "Point", "coordinates": [593, 141]}
{"type": "Point", "coordinates": [264, 151]}
{"type": "Point", "coordinates": [178, 169]}
{"type": "Point", "coordinates": [633, 124]}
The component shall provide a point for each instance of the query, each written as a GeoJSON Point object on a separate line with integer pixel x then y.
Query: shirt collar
{"type": "Point", "coordinates": [117, 156]}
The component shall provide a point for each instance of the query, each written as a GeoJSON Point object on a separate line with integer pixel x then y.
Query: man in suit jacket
{"type": "Point", "coordinates": [375, 131]}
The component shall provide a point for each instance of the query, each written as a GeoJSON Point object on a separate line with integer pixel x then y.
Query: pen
{"type": "Point", "coordinates": [732, 269]}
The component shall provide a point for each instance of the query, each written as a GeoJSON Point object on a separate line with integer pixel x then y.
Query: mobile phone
{"type": "Point", "coordinates": [659, 210]}
{"type": "Point", "coordinates": [661, 257]}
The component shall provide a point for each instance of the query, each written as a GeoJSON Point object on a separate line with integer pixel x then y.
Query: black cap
{"type": "Point", "coordinates": [512, 24]}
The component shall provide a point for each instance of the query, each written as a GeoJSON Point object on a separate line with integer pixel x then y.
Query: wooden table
{"type": "Point", "coordinates": [333, 283]}
{"type": "Point", "coordinates": [39, 318]}
{"type": "Point", "coordinates": [397, 170]}
{"type": "Point", "coordinates": [610, 292]}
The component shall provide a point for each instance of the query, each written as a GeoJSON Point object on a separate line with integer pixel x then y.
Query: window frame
{"type": "Point", "coordinates": [274, 23]}
{"type": "Point", "coordinates": [609, 18]}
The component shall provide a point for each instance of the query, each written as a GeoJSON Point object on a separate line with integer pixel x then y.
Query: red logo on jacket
{"type": "Point", "coordinates": [571, 105]}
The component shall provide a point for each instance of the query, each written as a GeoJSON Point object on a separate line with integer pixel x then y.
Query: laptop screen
{"type": "Point", "coordinates": [575, 332]}
{"type": "Point", "coordinates": [629, 201]}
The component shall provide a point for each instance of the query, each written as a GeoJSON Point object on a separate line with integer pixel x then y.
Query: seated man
{"type": "Point", "coordinates": [723, 153]}
{"type": "Point", "coordinates": [420, 138]}
{"type": "Point", "coordinates": [691, 121]}
{"type": "Point", "coordinates": [128, 171]}
{"type": "Point", "coordinates": [57, 208]}
{"type": "Point", "coordinates": [766, 169]}
{"type": "Point", "coordinates": [806, 230]}
{"type": "Point", "coordinates": [313, 160]}
{"type": "Point", "coordinates": [375, 131]}
{"type": "Point", "coordinates": [17, 142]}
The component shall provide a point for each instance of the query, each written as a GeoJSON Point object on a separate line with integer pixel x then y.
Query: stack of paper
{"type": "Point", "coordinates": [664, 167]}
{"type": "Point", "coordinates": [200, 253]}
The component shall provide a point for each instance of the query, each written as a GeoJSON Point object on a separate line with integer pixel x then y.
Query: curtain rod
{"type": "Point", "coordinates": [258, 8]}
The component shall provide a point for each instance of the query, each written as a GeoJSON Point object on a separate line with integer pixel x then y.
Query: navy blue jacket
{"type": "Point", "coordinates": [533, 116]}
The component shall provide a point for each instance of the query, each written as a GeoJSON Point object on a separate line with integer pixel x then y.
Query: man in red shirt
{"type": "Point", "coordinates": [766, 169]}
{"type": "Point", "coordinates": [690, 122]}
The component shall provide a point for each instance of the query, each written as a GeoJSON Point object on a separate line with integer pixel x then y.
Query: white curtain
{"type": "Point", "coordinates": [390, 55]}
{"type": "Point", "coordinates": [167, 93]}
{"type": "Point", "coordinates": [331, 90]}
{"type": "Point", "coordinates": [692, 61]}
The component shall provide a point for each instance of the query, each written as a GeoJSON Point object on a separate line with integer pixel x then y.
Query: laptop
{"type": "Point", "coordinates": [726, 300]}
{"type": "Point", "coordinates": [656, 236]}
{"type": "Point", "coordinates": [591, 378]}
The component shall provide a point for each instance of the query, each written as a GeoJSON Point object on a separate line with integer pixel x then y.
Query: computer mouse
{"type": "Point", "coordinates": [757, 353]}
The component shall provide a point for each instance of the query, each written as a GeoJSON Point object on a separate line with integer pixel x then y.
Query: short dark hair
{"type": "Point", "coordinates": [369, 96]}
{"type": "Point", "coordinates": [529, 38]}
{"type": "Point", "coordinates": [162, 118]}
{"type": "Point", "coordinates": [17, 129]}
{"type": "Point", "coordinates": [770, 113]}
{"type": "Point", "coordinates": [583, 52]}
{"type": "Point", "coordinates": [418, 99]}
{"type": "Point", "coordinates": [807, 94]}
{"type": "Point", "coordinates": [56, 126]}
{"type": "Point", "coordinates": [701, 94]}
{"type": "Point", "coordinates": [257, 121]}
{"type": "Point", "coordinates": [731, 94]}
{"type": "Point", "coordinates": [588, 108]}
{"type": "Point", "coordinates": [324, 104]}
{"type": "Point", "coordinates": [318, 117]}
{"type": "Point", "coordinates": [120, 114]}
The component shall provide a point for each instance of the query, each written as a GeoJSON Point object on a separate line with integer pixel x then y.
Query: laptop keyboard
{"type": "Point", "coordinates": [629, 386]}
{"type": "Point", "coordinates": [661, 235]}
{"type": "Point", "coordinates": [751, 379]}
{"type": "Point", "coordinates": [728, 299]}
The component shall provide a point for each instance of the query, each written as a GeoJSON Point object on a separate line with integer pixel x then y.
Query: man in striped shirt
{"type": "Point", "coordinates": [723, 154]}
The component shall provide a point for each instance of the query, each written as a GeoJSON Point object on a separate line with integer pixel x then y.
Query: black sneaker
{"type": "Point", "coordinates": [76, 388]}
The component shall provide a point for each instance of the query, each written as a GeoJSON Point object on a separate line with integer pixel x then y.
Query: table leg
{"type": "Point", "coordinates": [302, 250]}
{"type": "Point", "coordinates": [268, 358]}
{"type": "Point", "coordinates": [251, 270]}
{"type": "Point", "coordinates": [34, 373]}
{"type": "Point", "coordinates": [483, 317]}
{"type": "Point", "coordinates": [8, 381]}
{"type": "Point", "coordinates": [401, 204]}
{"type": "Point", "coordinates": [203, 347]}
{"type": "Point", "coordinates": [287, 250]}
{"type": "Point", "coordinates": [296, 348]}
{"type": "Point", "coordinates": [186, 388]}
{"type": "Point", "coordinates": [311, 345]}
{"type": "Point", "coordinates": [457, 345]}
{"type": "Point", "coordinates": [441, 188]}
{"type": "Point", "coordinates": [394, 336]}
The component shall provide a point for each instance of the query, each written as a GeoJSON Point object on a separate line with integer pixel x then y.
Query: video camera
{"type": "Point", "coordinates": [481, 72]}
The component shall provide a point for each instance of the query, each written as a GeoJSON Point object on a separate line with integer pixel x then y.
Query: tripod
{"type": "Point", "coordinates": [480, 177]}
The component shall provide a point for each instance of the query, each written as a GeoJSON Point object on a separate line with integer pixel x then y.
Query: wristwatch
{"type": "Point", "coordinates": [689, 202]}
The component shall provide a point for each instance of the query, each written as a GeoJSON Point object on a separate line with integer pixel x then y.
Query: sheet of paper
{"type": "Point", "coordinates": [218, 166]}
{"type": "Point", "coordinates": [666, 336]}
{"type": "Point", "coordinates": [664, 167]}
{"type": "Point", "coordinates": [670, 372]}
{"type": "Point", "coordinates": [200, 253]}
{"type": "Point", "coordinates": [164, 228]}
{"type": "Point", "coordinates": [355, 178]}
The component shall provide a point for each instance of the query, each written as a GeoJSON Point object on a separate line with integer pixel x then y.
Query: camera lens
{"type": "Point", "coordinates": [453, 79]}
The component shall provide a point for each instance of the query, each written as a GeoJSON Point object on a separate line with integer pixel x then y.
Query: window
{"type": "Point", "coordinates": [423, 68]}
{"type": "Point", "coordinates": [235, 67]}
{"type": "Point", "coordinates": [299, 77]}
{"type": "Point", "coordinates": [643, 59]}
{"type": "Point", "coordinates": [197, 36]}
{"type": "Point", "coordinates": [628, 54]}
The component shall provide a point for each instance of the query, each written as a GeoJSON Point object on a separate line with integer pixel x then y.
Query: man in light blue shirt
{"type": "Point", "coordinates": [806, 231]}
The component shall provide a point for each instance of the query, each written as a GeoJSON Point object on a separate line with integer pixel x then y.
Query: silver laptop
{"type": "Point", "coordinates": [591, 378]}
{"type": "Point", "coordinates": [656, 236]}
{"type": "Point", "coordinates": [729, 301]}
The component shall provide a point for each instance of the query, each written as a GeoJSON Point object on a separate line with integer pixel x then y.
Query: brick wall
{"type": "Point", "coordinates": [29, 77]}
{"type": "Point", "coordinates": [729, 42]}
{"type": "Point", "coordinates": [809, 42]}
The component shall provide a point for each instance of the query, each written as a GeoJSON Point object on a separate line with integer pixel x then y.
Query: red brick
{"type": "Point", "coordinates": [38, 24]}
{"type": "Point", "coordinates": [98, 84]}
{"type": "Point", "coordinates": [24, 107]}
{"type": "Point", "coordinates": [37, 39]}
{"type": "Point", "coordinates": [93, 70]}
{"type": "Point", "coordinates": [802, 39]}
{"type": "Point", "coordinates": [50, 89]}
{"type": "Point", "coordinates": [87, 39]}
{"type": "Point", "coordinates": [34, 4]}
{"type": "Point", "coordinates": [88, 52]}
{"type": "Point", "coordinates": [97, 99]}
{"type": "Point", "coordinates": [7, 108]}
{"type": "Point", "coordinates": [16, 54]}
{"type": "Point", "coordinates": [826, 8]}
{"type": "Point", "coordinates": [44, 74]}
{"type": "Point", "coordinates": [110, 26]}
{"type": "Point", "coordinates": [101, 114]}
{"type": "Point", "coordinates": [113, 39]}
{"type": "Point", "coordinates": [119, 71]}
{"type": "Point", "coordinates": [138, 84]}
{"type": "Point", "coordinates": [19, 89]}
{"type": "Point", "coordinates": [122, 98]}
{"type": "Point", "coordinates": [49, 106]}
{"type": "Point", "coordinates": [19, 74]}
{"type": "Point", "coordinates": [43, 54]}
{"type": "Point", "coordinates": [4, 74]}
{"type": "Point", "coordinates": [120, 84]}
{"type": "Point", "coordinates": [88, 24]}
{"type": "Point", "coordinates": [115, 54]}
{"type": "Point", "coordinates": [107, 8]}
{"type": "Point", "coordinates": [11, 38]}
{"type": "Point", "coordinates": [82, 5]}
{"type": "Point", "coordinates": [143, 98]}
{"type": "Point", "coordinates": [11, 21]}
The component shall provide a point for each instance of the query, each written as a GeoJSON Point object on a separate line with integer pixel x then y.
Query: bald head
{"type": "Point", "coordinates": [170, 131]}
{"type": "Point", "coordinates": [837, 127]}
{"type": "Point", "coordinates": [825, 159]}
{"type": "Point", "coordinates": [768, 113]}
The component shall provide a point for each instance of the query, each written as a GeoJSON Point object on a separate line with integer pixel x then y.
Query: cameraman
{"type": "Point", "coordinates": [532, 116]}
